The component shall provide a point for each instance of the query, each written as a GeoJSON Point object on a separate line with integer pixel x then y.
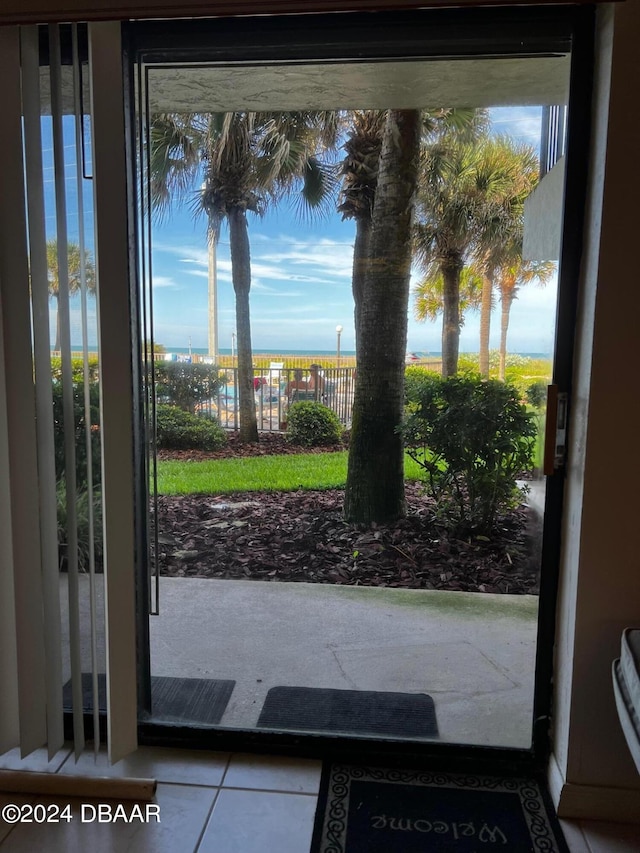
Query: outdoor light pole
{"type": "Point", "coordinates": [338, 332]}
{"type": "Point", "coordinates": [233, 349]}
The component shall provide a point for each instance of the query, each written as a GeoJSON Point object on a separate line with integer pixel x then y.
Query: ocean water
{"type": "Point", "coordinates": [302, 353]}
{"type": "Point", "coordinates": [326, 352]}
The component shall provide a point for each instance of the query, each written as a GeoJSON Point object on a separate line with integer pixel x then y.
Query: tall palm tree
{"type": "Point", "coordinates": [511, 276]}
{"type": "Point", "coordinates": [374, 490]}
{"type": "Point", "coordinates": [359, 172]}
{"type": "Point", "coordinates": [241, 162]}
{"type": "Point", "coordinates": [75, 262]}
{"type": "Point", "coordinates": [459, 193]}
{"type": "Point", "coordinates": [429, 293]}
{"type": "Point", "coordinates": [517, 167]}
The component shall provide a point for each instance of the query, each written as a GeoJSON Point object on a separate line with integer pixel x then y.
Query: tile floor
{"type": "Point", "coordinates": [217, 803]}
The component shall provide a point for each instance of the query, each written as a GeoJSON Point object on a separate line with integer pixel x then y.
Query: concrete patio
{"type": "Point", "coordinates": [474, 654]}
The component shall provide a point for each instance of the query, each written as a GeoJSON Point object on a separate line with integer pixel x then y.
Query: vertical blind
{"type": "Point", "coordinates": [66, 428]}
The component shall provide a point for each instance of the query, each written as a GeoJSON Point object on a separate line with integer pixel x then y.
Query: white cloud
{"type": "Point", "coordinates": [521, 123]}
{"type": "Point", "coordinates": [164, 281]}
{"type": "Point", "coordinates": [333, 258]}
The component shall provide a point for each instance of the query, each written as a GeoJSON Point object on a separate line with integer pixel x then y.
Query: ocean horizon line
{"type": "Point", "coordinates": [329, 353]}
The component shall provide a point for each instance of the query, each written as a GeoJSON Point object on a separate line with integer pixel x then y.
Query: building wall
{"type": "Point", "coordinates": [600, 573]}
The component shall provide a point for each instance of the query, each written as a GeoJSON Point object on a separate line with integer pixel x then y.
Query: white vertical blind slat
{"type": "Point", "coordinates": [116, 381]}
{"type": "Point", "coordinates": [9, 711]}
{"type": "Point", "coordinates": [44, 395]}
{"type": "Point", "coordinates": [93, 609]}
{"type": "Point", "coordinates": [20, 398]}
{"type": "Point", "coordinates": [55, 67]}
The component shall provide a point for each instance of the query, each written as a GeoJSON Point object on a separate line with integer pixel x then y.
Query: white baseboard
{"type": "Point", "coordinates": [588, 802]}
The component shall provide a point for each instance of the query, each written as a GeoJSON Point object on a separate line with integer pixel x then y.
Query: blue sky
{"type": "Point", "coordinates": [301, 281]}
{"type": "Point", "coordinates": [301, 278]}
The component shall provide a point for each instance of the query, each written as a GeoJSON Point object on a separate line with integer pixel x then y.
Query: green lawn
{"type": "Point", "coordinates": [260, 473]}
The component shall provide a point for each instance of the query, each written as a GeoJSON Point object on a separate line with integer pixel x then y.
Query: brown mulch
{"type": "Point", "coordinates": [302, 536]}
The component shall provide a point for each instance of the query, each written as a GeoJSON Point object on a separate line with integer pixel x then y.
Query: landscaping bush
{"type": "Point", "coordinates": [180, 430]}
{"type": "Point", "coordinates": [183, 384]}
{"type": "Point", "coordinates": [473, 438]}
{"type": "Point", "coordinates": [311, 424]}
{"type": "Point", "coordinates": [536, 394]}
{"type": "Point", "coordinates": [79, 431]}
{"type": "Point", "coordinates": [77, 369]}
{"type": "Point", "coordinates": [82, 517]}
{"type": "Point", "coordinates": [414, 376]}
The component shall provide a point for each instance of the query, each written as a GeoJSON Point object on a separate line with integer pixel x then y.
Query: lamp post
{"type": "Point", "coordinates": [233, 349]}
{"type": "Point", "coordinates": [338, 333]}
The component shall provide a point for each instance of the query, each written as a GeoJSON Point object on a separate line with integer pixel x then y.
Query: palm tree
{"type": "Point", "coordinates": [459, 194]}
{"type": "Point", "coordinates": [246, 160]}
{"type": "Point", "coordinates": [375, 478]}
{"type": "Point", "coordinates": [378, 192]}
{"type": "Point", "coordinates": [429, 293]}
{"type": "Point", "coordinates": [516, 166]}
{"type": "Point", "coordinates": [75, 263]}
{"type": "Point", "coordinates": [513, 275]}
{"type": "Point", "coordinates": [359, 171]}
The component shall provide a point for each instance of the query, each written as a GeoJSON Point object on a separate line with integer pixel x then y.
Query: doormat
{"type": "Point", "coordinates": [173, 700]}
{"type": "Point", "coordinates": [373, 810]}
{"type": "Point", "coordinates": [407, 715]}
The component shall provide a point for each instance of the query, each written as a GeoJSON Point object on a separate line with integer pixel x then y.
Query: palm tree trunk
{"type": "Point", "coordinates": [360, 259]}
{"type": "Point", "coordinates": [485, 324]}
{"type": "Point", "coordinates": [506, 301]}
{"type": "Point", "coordinates": [451, 269]}
{"type": "Point", "coordinates": [241, 277]}
{"type": "Point", "coordinates": [375, 478]}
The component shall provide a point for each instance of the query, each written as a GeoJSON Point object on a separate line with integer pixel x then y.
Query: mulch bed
{"type": "Point", "coordinates": [301, 536]}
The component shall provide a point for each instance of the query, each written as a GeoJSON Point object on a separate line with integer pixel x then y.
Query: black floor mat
{"type": "Point", "coordinates": [410, 715]}
{"type": "Point", "coordinates": [376, 810]}
{"type": "Point", "coordinates": [174, 700]}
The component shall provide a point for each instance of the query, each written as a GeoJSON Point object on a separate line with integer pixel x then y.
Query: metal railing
{"type": "Point", "coordinates": [274, 392]}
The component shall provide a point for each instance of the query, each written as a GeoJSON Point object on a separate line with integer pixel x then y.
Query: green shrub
{"type": "Point", "coordinates": [180, 430]}
{"type": "Point", "coordinates": [77, 369]}
{"type": "Point", "coordinates": [183, 384]}
{"type": "Point", "coordinates": [473, 438]}
{"type": "Point", "coordinates": [79, 431]}
{"type": "Point", "coordinates": [536, 394]}
{"type": "Point", "coordinates": [414, 376]}
{"type": "Point", "coordinates": [312, 424]}
{"type": "Point", "coordinates": [82, 519]}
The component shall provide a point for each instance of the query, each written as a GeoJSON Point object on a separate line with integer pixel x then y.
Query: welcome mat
{"type": "Point", "coordinates": [349, 711]}
{"type": "Point", "coordinates": [173, 700]}
{"type": "Point", "coordinates": [374, 810]}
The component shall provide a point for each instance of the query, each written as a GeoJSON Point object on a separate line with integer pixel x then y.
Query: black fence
{"type": "Point", "coordinates": [275, 388]}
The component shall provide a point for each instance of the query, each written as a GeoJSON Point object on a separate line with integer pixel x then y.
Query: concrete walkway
{"type": "Point", "coordinates": [474, 654]}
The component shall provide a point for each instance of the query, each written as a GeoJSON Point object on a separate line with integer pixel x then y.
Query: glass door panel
{"type": "Point", "coordinates": [259, 310]}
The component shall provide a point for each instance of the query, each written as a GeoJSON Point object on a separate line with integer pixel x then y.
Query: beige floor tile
{"type": "Point", "coordinates": [611, 837]}
{"type": "Point", "coordinates": [268, 773]}
{"type": "Point", "coordinates": [259, 822]}
{"type": "Point", "coordinates": [37, 761]}
{"type": "Point", "coordinates": [188, 767]}
{"type": "Point", "coordinates": [183, 814]}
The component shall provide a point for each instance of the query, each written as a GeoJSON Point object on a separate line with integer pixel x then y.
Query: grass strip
{"type": "Point", "coordinates": [260, 473]}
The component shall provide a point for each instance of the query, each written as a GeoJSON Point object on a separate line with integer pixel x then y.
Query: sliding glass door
{"type": "Point", "coordinates": [286, 306]}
